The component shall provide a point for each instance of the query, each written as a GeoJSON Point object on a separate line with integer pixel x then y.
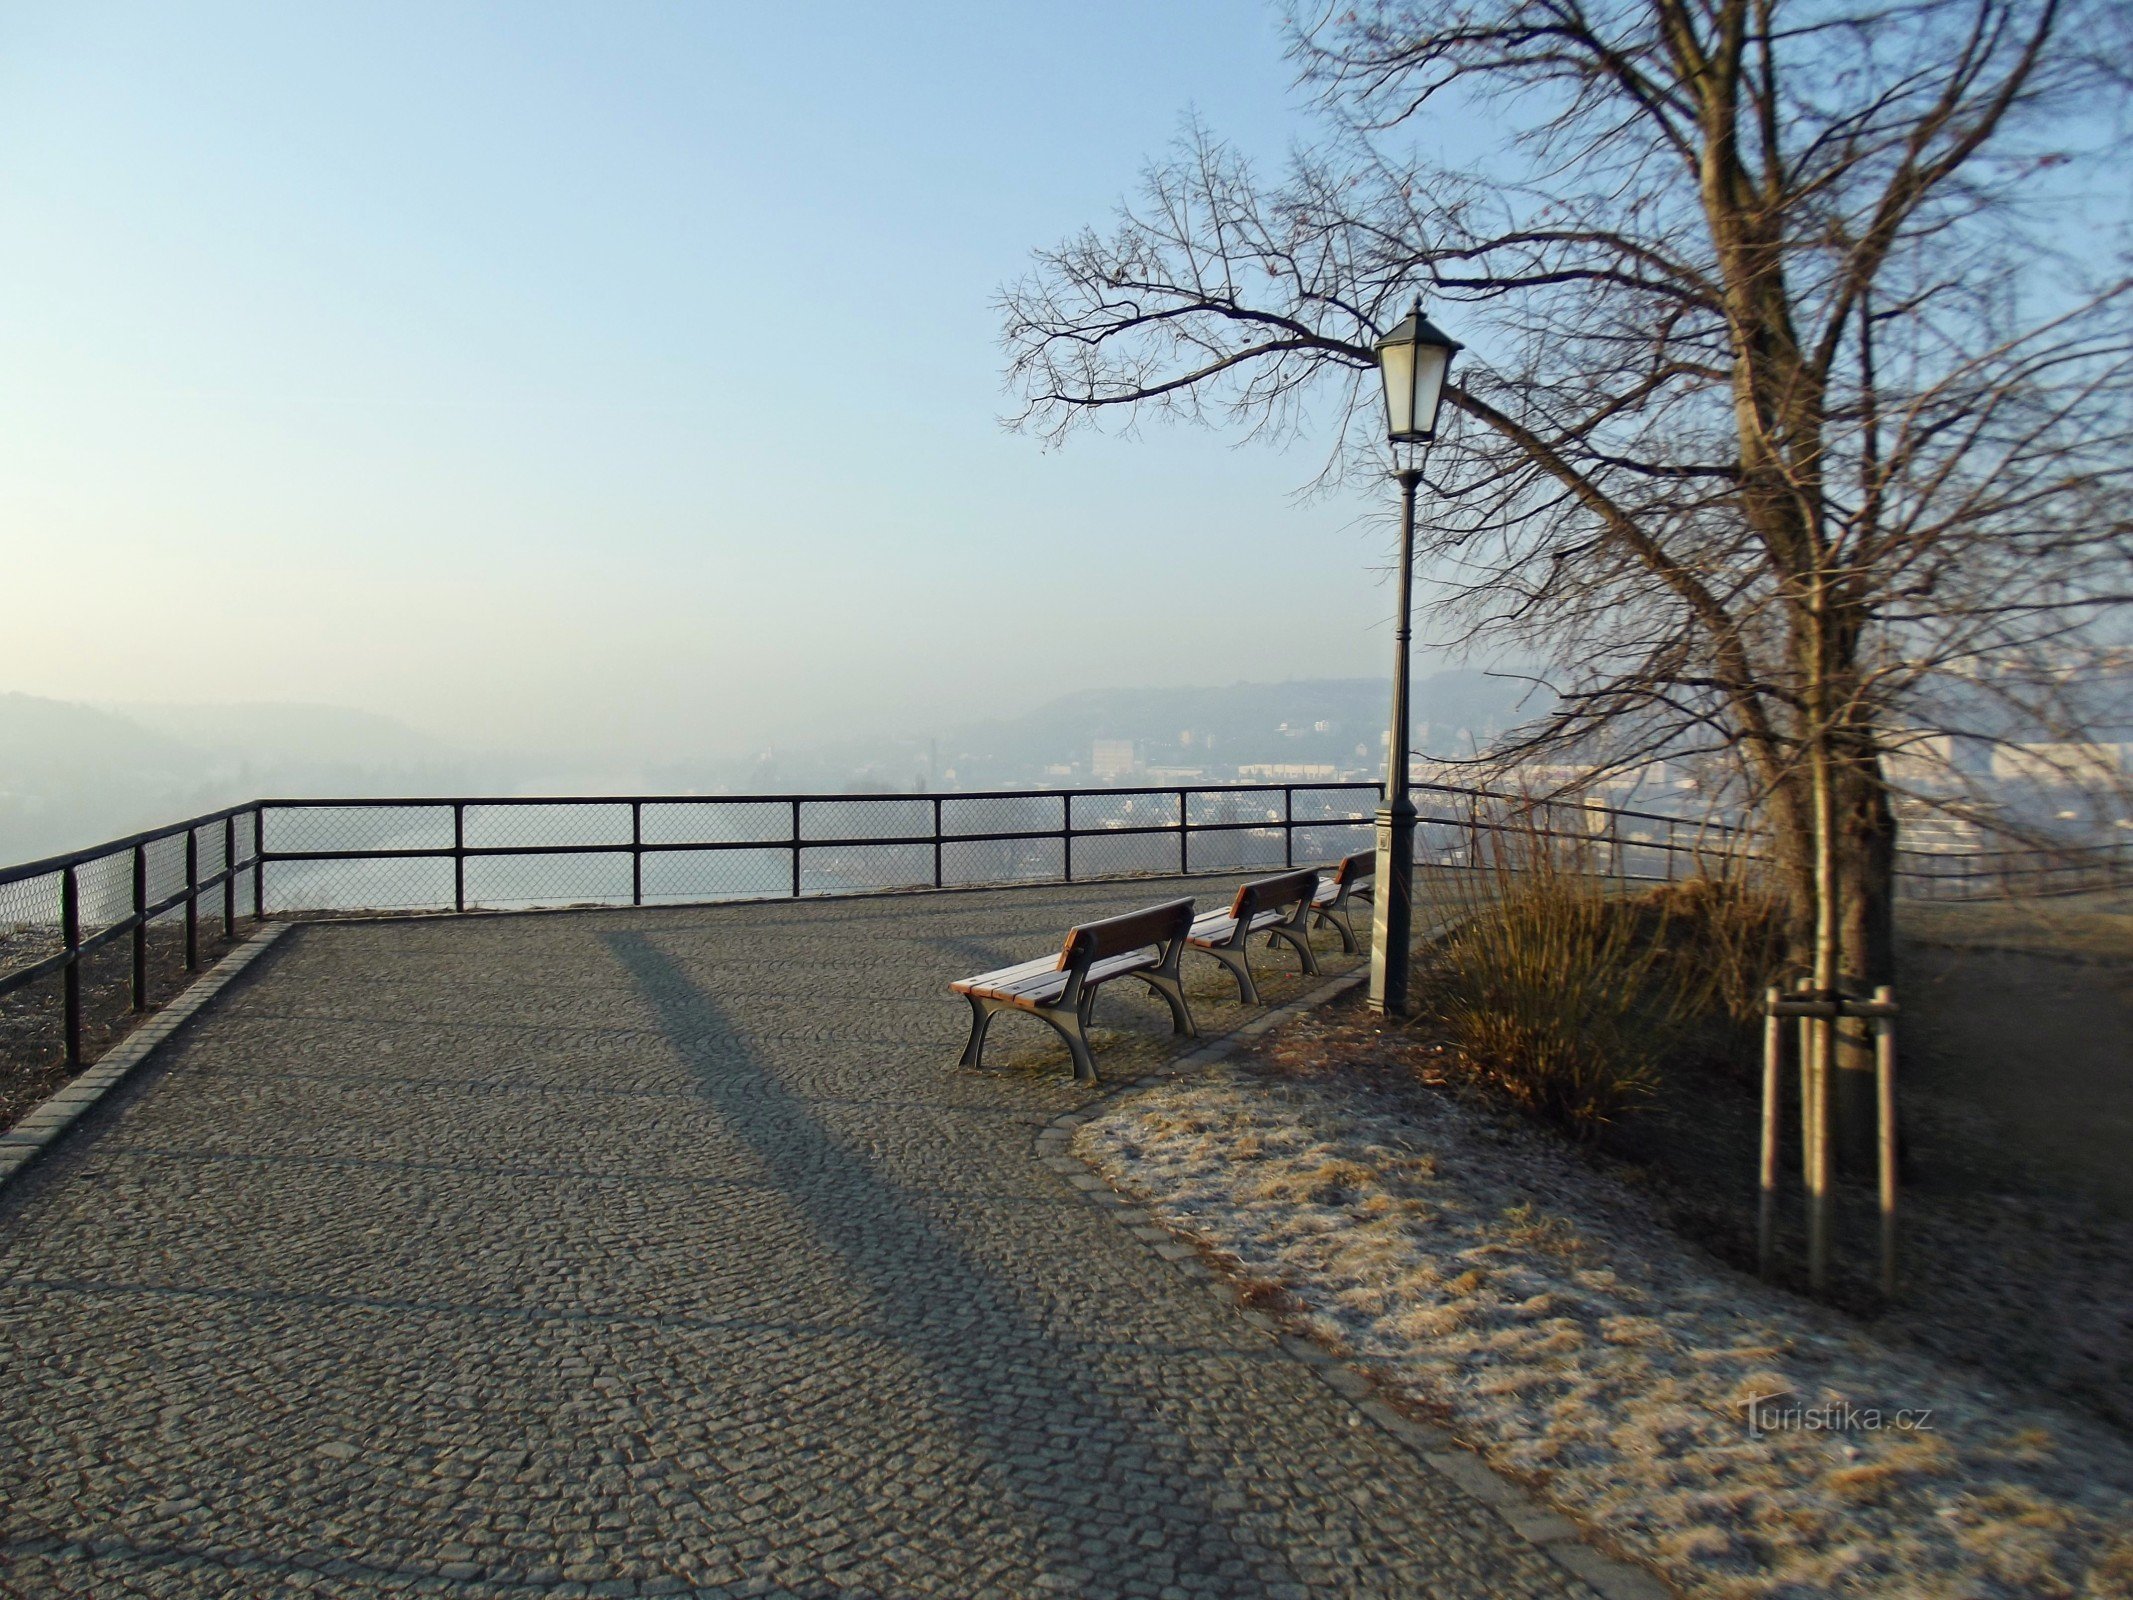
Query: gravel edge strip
{"type": "Point", "coordinates": [1547, 1530]}
{"type": "Point", "coordinates": [47, 1123]}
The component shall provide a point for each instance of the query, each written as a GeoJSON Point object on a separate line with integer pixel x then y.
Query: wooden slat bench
{"type": "Point", "coordinates": [1275, 907]}
{"type": "Point", "coordinates": [1062, 989]}
{"type": "Point", "coordinates": [1354, 879]}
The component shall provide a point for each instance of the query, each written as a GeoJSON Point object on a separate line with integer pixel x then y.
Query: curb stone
{"type": "Point", "coordinates": [48, 1122]}
{"type": "Point", "coordinates": [1524, 1513]}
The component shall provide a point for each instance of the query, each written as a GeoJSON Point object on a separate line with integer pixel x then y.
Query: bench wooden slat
{"type": "Point", "coordinates": [1216, 926]}
{"type": "Point", "coordinates": [1117, 935]}
{"type": "Point", "coordinates": [1038, 980]}
{"type": "Point", "coordinates": [1043, 966]}
{"type": "Point", "coordinates": [1284, 889]}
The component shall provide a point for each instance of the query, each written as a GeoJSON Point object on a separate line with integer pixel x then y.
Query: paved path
{"type": "Point", "coordinates": [593, 1254]}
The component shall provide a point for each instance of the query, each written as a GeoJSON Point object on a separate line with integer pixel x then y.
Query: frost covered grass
{"type": "Point", "coordinates": [1526, 1300]}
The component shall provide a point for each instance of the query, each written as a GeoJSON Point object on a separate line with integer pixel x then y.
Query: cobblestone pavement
{"type": "Point", "coordinates": [649, 1253]}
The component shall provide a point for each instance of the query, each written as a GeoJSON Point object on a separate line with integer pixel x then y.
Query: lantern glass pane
{"type": "Point", "coordinates": [1435, 362]}
{"type": "Point", "coordinates": [1397, 362]}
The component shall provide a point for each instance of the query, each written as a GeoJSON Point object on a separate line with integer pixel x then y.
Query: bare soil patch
{"type": "Point", "coordinates": [33, 1060]}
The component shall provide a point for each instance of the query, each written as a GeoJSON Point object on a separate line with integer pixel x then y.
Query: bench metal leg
{"type": "Point", "coordinates": [1072, 1026]}
{"type": "Point", "coordinates": [1298, 941]}
{"type": "Point", "coordinates": [981, 1015]}
{"type": "Point", "coordinates": [1173, 992]}
{"type": "Point", "coordinates": [1329, 917]}
{"type": "Point", "coordinates": [1236, 959]}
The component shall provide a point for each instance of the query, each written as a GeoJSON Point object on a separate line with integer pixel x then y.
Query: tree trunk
{"type": "Point", "coordinates": [1866, 877]}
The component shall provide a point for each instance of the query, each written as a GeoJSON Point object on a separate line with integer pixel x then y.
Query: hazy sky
{"type": "Point", "coordinates": [611, 374]}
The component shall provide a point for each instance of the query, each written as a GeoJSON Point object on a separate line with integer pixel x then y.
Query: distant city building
{"type": "Point", "coordinates": [1918, 760]}
{"type": "Point", "coordinates": [1112, 759]}
{"type": "Point", "coordinates": [2066, 762]}
{"type": "Point", "coordinates": [1174, 774]}
{"type": "Point", "coordinates": [1422, 769]}
{"type": "Point", "coordinates": [1289, 772]}
{"type": "Point", "coordinates": [1928, 832]}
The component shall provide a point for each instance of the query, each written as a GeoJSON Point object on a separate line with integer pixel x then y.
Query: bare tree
{"type": "Point", "coordinates": [1799, 367]}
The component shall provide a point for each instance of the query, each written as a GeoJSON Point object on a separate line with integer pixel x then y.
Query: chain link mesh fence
{"type": "Point", "coordinates": [1229, 832]}
{"type": "Point", "coordinates": [147, 914]}
{"type": "Point", "coordinates": [1332, 823]}
{"type": "Point", "coordinates": [966, 862]}
{"type": "Point", "coordinates": [383, 882]}
{"type": "Point", "coordinates": [867, 817]}
{"type": "Point", "coordinates": [717, 821]}
{"type": "Point", "coordinates": [1111, 841]}
{"type": "Point", "coordinates": [676, 876]}
{"type": "Point", "coordinates": [747, 851]}
{"type": "Point", "coordinates": [29, 922]}
{"type": "Point", "coordinates": [861, 868]}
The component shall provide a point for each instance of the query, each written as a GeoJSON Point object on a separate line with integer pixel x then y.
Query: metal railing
{"type": "Point", "coordinates": [295, 856]}
{"type": "Point", "coordinates": [518, 851]}
{"type": "Point", "coordinates": [522, 851]}
{"type": "Point", "coordinates": [56, 912]}
{"type": "Point", "coordinates": [2027, 870]}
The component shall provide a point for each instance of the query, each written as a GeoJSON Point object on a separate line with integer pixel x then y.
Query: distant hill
{"type": "Point", "coordinates": [74, 775]}
{"type": "Point", "coordinates": [289, 734]}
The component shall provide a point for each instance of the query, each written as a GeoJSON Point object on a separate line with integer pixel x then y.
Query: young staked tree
{"type": "Point", "coordinates": [1797, 372]}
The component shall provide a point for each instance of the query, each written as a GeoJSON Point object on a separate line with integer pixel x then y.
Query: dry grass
{"type": "Point", "coordinates": [2096, 927]}
{"type": "Point", "coordinates": [1583, 1347]}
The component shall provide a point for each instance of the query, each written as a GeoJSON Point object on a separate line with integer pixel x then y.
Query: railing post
{"type": "Point", "coordinates": [1184, 852]}
{"type": "Point", "coordinates": [70, 976]}
{"type": "Point", "coordinates": [229, 876]}
{"type": "Point", "coordinates": [459, 855]}
{"type": "Point", "coordinates": [1066, 834]}
{"type": "Point", "coordinates": [936, 841]}
{"type": "Point", "coordinates": [796, 848]}
{"type": "Point", "coordinates": [259, 863]}
{"type": "Point", "coordinates": [140, 927]}
{"type": "Point", "coordinates": [192, 899]}
{"type": "Point", "coordinates": [636, 852]}
{"type": "Point", "coordinates": [1288, 825]}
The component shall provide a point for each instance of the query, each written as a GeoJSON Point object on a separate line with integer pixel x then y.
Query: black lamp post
{"type": "Point", "coordinates": [1415, 359]}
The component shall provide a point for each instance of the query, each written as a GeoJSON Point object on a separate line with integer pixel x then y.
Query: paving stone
{"type": "Point", "coordinates": [595, 1254]}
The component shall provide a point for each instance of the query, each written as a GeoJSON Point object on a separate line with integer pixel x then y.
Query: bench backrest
{"type": "Point", "coordinates": [1271, 894]}
{"type": "Point", "coordinates": [1117, 936]}
{"type": "Point", "coordinates": [1353, 869]}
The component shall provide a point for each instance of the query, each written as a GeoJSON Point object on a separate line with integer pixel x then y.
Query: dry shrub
{"type": "Point", "coordinates": [1572, 996]}
{"type": "Point", "coordinates": [1555, 990]}
{"type": "Point", "coordinates": [1729, 933]}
